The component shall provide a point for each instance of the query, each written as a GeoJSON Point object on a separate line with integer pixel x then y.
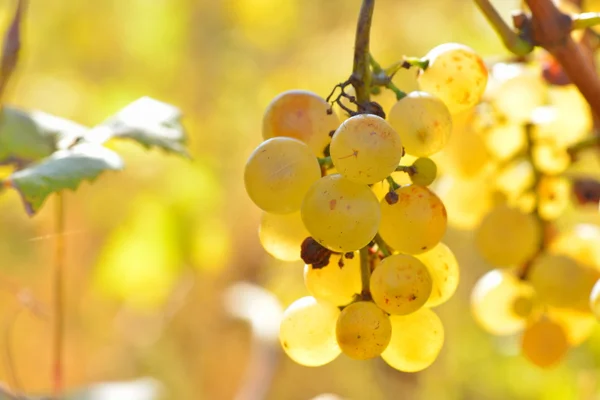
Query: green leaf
{"type": "Point", "coordinates": [65, 169]}
{"type": "Point", "coordinates": [149, 122]}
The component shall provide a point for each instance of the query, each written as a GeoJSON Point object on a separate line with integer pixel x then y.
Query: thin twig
{"type": "Point", "coordinates": [365, 271]}
{"type": "Point", "coordinates": [361, 74]}
{"type": "Point", "coordinates": [511, 39]}
{"type": "Point", "coordinates": [12, 46]}
{"type": "Point", "coordinates": [382, 245]}
{"type": "Point", "coordinates": [59, 261]}
{"type": "Point", "coordinates": [586, 20]}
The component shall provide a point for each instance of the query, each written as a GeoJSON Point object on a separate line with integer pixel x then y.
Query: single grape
{"type": "Point", "coordinates": [505, 140]}
{"type": "Point", "coordinates": [365, 149]}
{"type": "Point", "coordinates": [278, 174]}
{"type": "Point", "coordinates": [551, 159]}
{"type": "Point", "coordinates": [307, 332]}
{"type": "Point", "coordinates": [416, 222]}
{"type": "Point", "coordinates": [595, 300]}
{"type": "Point", "coordinates": [400, 284]}
{"type": "Point", "coordinates": [425, 172]}
{"type": "Point", "coordinates": [500, 302]}
{"type": "Point", "coordinates": [554, 195]}
{"type": "Point", "coordinates": [456, 74]}
{"type": "Point", "coordinates": [301, 115]}
{"type": "Point", "coordinates": [282, 235]}
{"type": "Point", "coordinates": [340, 214]}
{"type": "Point", "coordinates": [507, 236]}
{"type": "Point", "coordinates": [578, 326]}
{"type": "Point", "coordinates": [363, 330]}
{"type": "Point", "coordinates": [544, 342]}
{"type": "Point", "coordinates": [332, 283]}
{"type": "Point", "coordinates": [443, 268]}
{"type": "Point", "coordinates": [423, 122]}
{"type": "Point", "coordinates": [416, 341]}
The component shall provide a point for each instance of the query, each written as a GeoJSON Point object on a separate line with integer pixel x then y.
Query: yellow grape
{"type": "Point", "coordinates": [334, 284]}
{"type": "Point", "coordinates": [504, 141]}
{"type": "Point", "coordinates": [282, 235]}
{"type": "Point", "coordinates": [416, 341]}
{"type": "Point", "coordinates": [500, 302]}
{"type": "Point", "coordinates": [507, 236]}
{"type": "Point", "coordinates": [578, 326]}
{"type": "Point", "coordinates": [365, 149]}
{"type": "Point", "coordinates": [340, 214]}
{"type": "Point", "coordinates": [425, 171]}
{"type": "Point", "coordinates": [456, 74]}
{"type": "Point", "coordinates": [570, 118]}
{"type": "Point", "coordinates": [278, 174]}
{"type": "Point", "coordinates": [416, 222]}
{"type": "Point", "coordinates": [400, 284]}
{"type": "Point", "coordinates": [443, 268]}
{"type": "Point", "coordinates": [307, 332]}
{"type": "Point", "coordinates": [515, 178]}
{"type": "Point", "coordinates": [423, 122]}
{"type": "Point", "coordinates": [581, 243]}
{"type": "Point", "coordinates": [554, 193]}
{"type": "Point", "coordinates": [595, 300]}
{"type": "Point", "coordinates": [551, 159]}
{"type": "Point", "coordinates": [560, 281]}
{"type": "Point", "coordinates": [363, 330]}
{"type": "Point", "coordinates": [301, 115]}
{"type": "Point", "coordinates": [544, 342]}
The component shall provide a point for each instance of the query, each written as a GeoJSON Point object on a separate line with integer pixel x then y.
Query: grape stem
{"type": "Point", "coordinates": [361, 73]}
{"type": "Point", "coordinates": [409, 169]}
{"type": "Point", "coordinates": [586, 20]}
{"type": "Point", "coordinates": [382, 245]}
{"type": "Point", "coordinates": [365, 273]}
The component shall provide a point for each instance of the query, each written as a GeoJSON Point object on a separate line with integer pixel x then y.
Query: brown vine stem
{"type": "Point", "coordinates": [59, 261]}
{"type": "Point", "coordinates": [512, 41]}
{"type": "Point", "coordinates": [12, 47]}
{"type": "Point", "coordinates": [361, 73]}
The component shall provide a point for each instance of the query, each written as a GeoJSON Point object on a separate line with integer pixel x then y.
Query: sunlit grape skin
{"type": "Point", "coordinates": [332, 283]}
{"type": "Point", "coordinates": [595, 300]}
{"type": "Point", "coordinates": [282, 235]}
{"type": "Point", "coordinates": [365, 149]}
{"type": "Point", "coordinates": [278, 174]}
{"type": "Point", "coordinates": [444, 271]}
{"type": "Point", "coordinates": [423, 122]}
{"type": "Point", "coordinates": [340, 214]}
{"type": "Point", "coordinates": [544, 342]}
{"type": "Point", "coordinates": [302, 115]}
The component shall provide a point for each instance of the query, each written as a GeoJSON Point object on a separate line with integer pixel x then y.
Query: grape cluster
{"type": "Point", "coordinates": [375, 263]}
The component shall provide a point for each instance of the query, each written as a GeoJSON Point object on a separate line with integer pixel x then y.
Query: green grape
{"type": "Point", "coordinates": [334, 284]}
{"type": "Point", "coordinates": [544, 342]}
{"type": "Point", "coordinates": [365, 149]}
{"type": "Point", "coordinates": [578, 326]}
{"type": "Point", "coordinates": [456, 74]}
{"type": "Point", "coordinates": [507, 236]}
{"type": "Point", "coordinates": [595, 299]}
{"type": "Point", "coordinates": [443, 268]}
{"type": "Point", "coordinates": [423, 122]}
{"type": "Point", "coordinates": [561, 281]}
{"type": "Point", "coordinates": [278, 174]}
{"type": "Point", "coordinates": [425, 172]}
{"type": "Point", "coordinates": [400, 284]}
{"type": "Point", "coordinates": [497, 302]}
{"type": "Point", "coordinates": [582, 243]}
{"type": "Point", "coordinates": [282, 235]}
{"type": "Point", "coordinates": [307, 332]}
{"type": "Point", "coordinates": [340, 214]}
{"type": "Point", "coordinates": [301, 115]}
{"type": "Point", "coordinates": [363, 330]}
{"type": "Point", "coordinates": [416, 341]}
{"type": "Point", "coordinates": [416, 222]}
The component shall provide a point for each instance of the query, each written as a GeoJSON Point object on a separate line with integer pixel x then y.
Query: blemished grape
{"type": "Point", "coordinates": [400, 284]}
{"type": "Point", "coordinates": [307, 332]}
{"type": "Point", "coordinates": [507, 236]}
{"type": "Point", "coordinates": [554, 194]}
{"type": "Point", "coordinates": [340, 214]}
{"type": "Point", "coordinates": [578, 326]}
{"type": "Point", "coordinates": [363, 330]}
{"type": "Point", "coordinates": [444, 271]}
{"type": "Point", "coordinates": [282, 235]}
{"type": "Point", "coordinates": [544, 342]}
{"type": "Point", "coordinates": [561, 281]}
{"type": "Point", "coordinates": [278, 174]}
{"type": "Point", "coordinates": [334, 284]}
{"type": "Point", "coordinates": [425, 172]}
{"type": "Point", "coordinates": [497, 302]}
{"type": "Point", "coordinates": [456, 74]}
{"type": "Point", "coordinates": [302, 115]}
{"type": "Point", "coordinates": [365, 149]}
{"type": "Point", "coordinates": [416, 341]}
{"type": "Point", "coordinates": [595, 300]}
{"type": "Point", "coordinates": [423, 122]}
{"type": "Point", "coordinates": [416, 222]}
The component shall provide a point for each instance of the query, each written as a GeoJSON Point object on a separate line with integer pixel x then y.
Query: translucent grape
{"type": "Point", "coordinates": [504, 141]}
{"type": "Point", "coordinates": [456, 74]}
{"type": "Point", "coordinates": [507, 236]}
{"type": "Point", "coordinates": [443, 268]}
{"type": "Point", "coordinates": [595, 300]}
{"type": "Point", "coordinates": [278, 174]}
{"type": "Point", "coordinates": [334, 284]}
{"type": "Point", "coordinates": [340, 214]}
{"type": "Point", "coordinates": [497, 302]}
{"type": "Point", "coordinates": [307, 332]}
{"type": "Point", "coordinates": [581, 243]}
{"type": "Point", "coordinates": [425, 172]}
{"type": "Point", "coordinates": [363, 330]}
{"type": "Point", "coordinates": [544, 342]}
{"type": "Point", "coordinates": [578, 326]}
{"type": "Point", "coordinates": [301, 115]}
{"type": "Point", "coordinates": [365, 149]}
{"type": "Point", "coordinates": [282, 235]}
{"type": "Point", "coordinates": [423, 122]}
{"type": "Point", "coordinates": [416, 341]}
{"type": "Point", "coordinates": [400, 284]}
{"type": "Point", "coordinates": [416, 222]}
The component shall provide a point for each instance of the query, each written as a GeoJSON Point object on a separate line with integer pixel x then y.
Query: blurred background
{"type": "Point", "coordinates": [155, 252]}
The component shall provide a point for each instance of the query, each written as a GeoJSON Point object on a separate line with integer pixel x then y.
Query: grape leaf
{"type": "Point", "coordinates": [64, 169]}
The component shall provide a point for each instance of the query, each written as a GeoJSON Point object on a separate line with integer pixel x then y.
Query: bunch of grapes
{"type": "Point", "coordinates": [330, 195]}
